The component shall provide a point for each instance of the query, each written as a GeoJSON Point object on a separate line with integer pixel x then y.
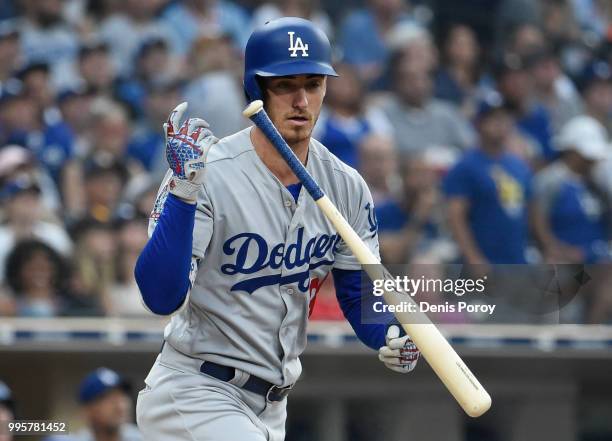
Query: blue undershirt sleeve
{"type": "Point", "coordinates": [162, 269]}
{"type": "Point", "coordinates": [350, 297]}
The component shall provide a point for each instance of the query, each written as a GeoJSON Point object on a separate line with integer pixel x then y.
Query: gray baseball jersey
{"type": "Point", "coordinates": [262, 258]}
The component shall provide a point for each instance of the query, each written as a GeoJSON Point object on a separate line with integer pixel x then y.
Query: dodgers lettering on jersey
{"type": "Point", "coordinates": [295, 255]}
{"type": "Point", "coordinates": [263, 258]}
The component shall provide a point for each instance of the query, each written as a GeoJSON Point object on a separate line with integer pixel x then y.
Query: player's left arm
{"type": "Point", "coordinates": [395, 349]}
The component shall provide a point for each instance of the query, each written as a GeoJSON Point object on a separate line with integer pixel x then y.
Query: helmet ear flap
{"type": "Point", "coordinates": [252, 90]}
{"type": "Point", "coordinates": [260, 88]}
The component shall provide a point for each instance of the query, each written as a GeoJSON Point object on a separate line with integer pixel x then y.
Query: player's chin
{"type": "Point", "coordinates": [296, 134]}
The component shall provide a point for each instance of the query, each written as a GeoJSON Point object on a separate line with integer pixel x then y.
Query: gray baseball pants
{"type": "Point", "coordinates": [179, 403]}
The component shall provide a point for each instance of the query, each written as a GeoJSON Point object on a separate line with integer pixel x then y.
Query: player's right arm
{"type": "Point", "coordinates": [166, 266]}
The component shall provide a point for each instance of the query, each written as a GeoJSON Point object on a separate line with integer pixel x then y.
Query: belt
{"type": "Point", "coordinates": [254, 384]}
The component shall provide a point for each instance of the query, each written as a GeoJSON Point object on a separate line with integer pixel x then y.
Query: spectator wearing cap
{"type": "Point", "coordinates": [109, 135]}
{"type": "Point", "coordinates": [146, 146]}
{"type": "Point", "coordinates": [104, 180]}
{"type": "Point", "coordinates": [215, 90]}
{"type": "Point", "coordinates": [93, 185]}
{"type": "Point", "coordinates": [96, 69]}
{"type": "Point", "coordinates": [74, 104]}
{"type": "Point", "coordinates": [106, 403]}
{"type": "Point", "coordinates": [595, 86]}
{"type": "Point", "coordinates": [10, 50]}
{"type": "Point", "coordinates": [552, 88]}
{"type": "Point", "coordinates": [420, 121]}
{"type": "Point", "coordinates": [516, 87]}
{"type": "Point", "coordinates": [25, 219]}
{"type": "Point", "coordinates": [571, 212]}
{"type": "Point", "coordinates": [7, 411]}
{"type": "Point", "coordinates": [154, 65]}
{"type": "Point", "coordinates": [37, 277]}
{"type": "Point", "coordinates": [414, 42]}
{"type": "Point", "coordinates": [190, 19]}
{"type": "Point", "coordinates": [18, 113]}
{"type": "Point", "coordinates": [36, 83]}
{"type": "Point", "coordinates": [488, 192]}
{"type": "Point", "coordinates": [16, 161]}
{"type": "Point", "coordinates": [35, 80]}
{"type": "Point", "coordinates": [22, 123]}
{"type": "Point", "coordinates": [346, 120]}
{"type": "Point", "coordinates": [362, 35]}
{"type": "Point", "coordinates": [47, 37]}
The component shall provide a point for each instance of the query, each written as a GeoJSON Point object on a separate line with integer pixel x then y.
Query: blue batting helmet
{"type": "Point", "coordinates": [285, 46]}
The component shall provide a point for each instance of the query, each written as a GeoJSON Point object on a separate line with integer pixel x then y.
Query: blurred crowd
{"type": "Point", "coordinates": [482, 129]}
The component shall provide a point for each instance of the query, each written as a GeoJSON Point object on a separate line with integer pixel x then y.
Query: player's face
{"type": "Point", "coordinates": [294, 103]}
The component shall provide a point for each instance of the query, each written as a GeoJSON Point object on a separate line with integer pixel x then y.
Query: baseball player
{"type": "Point", "coordinates": [238, 251]}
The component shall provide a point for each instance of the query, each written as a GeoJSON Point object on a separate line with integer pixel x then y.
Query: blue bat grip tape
{"type": "Point", "coordinates": [262, 121]}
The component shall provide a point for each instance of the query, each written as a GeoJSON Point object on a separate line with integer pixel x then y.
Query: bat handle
{"type": "Point", "coordinates": [255, 113]}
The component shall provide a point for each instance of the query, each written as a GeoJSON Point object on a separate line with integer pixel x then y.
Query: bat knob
{"type": "Point", "coordinates": [253, 108]}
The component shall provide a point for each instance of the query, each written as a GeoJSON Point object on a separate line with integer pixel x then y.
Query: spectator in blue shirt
{"type": "Point", "coordinates": [153, 64]}
{"type": "Point", "coordinates": [488, 191]}
{"type": "Point", "coordinates": [147, 143]}
{"type": "Point", "coordinates": [347, 120]}
{"type": "Point", "coordinates": [22, 123]}
{"type": "Point", "coordinates": [407, 225]}
{"type": "Point", "coordinates": [515, 84]}
{"type": "Point", "coordinates": [571, 214]}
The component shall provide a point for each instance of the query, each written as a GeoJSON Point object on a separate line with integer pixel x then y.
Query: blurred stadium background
{"type": "Point", "coordinates": [426, 87]}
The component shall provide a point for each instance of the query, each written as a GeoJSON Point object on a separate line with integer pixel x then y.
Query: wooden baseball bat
{"type": "Point", "coordinates": [440, 355]}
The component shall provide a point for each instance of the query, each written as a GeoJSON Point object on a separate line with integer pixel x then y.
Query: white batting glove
{"type": "Point", "coordinates": [400, 354]}
{"type": "Point", "coordinates": [186, 151]}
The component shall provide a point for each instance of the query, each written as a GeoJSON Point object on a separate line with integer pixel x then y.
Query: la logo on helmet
{"type": "Point", "coordinates": [297, 45]}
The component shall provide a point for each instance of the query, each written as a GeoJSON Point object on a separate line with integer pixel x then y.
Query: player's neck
{"type": "Point", "coordinates": [274, 161]}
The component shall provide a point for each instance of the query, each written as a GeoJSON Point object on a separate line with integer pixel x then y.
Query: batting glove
{"type": "Point", "coordinates": [186, 151]}
{"type": "Point", "coordinates": [400, 354]}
